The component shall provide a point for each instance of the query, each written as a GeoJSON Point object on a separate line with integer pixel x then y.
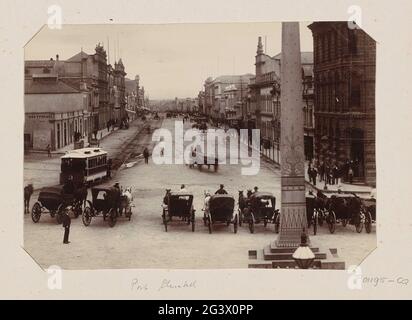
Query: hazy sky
{"type": "Point", "coordinates": [173, 60]}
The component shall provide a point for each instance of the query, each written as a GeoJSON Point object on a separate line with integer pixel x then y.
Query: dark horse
{"type": "Point", "coordinates": [28, 191]}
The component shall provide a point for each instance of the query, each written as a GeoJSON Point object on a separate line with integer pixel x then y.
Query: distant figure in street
{"type": "Point", "coordinates": [108, 125]}
{"type": "Point", "coordinates": [146, 155]}
{"type": "Point", "coordinates": [221, 190]}
{"type": "Point", "coordinates": [350, 175]}
{"type": "Point", "coordinates": [66, 225]}
{"type": "Point", "coordinates": [255, 189]}
{"type": "Point", "coordinates": [28, 191]}
{"type": "Point", "coordinates": [48, 150]}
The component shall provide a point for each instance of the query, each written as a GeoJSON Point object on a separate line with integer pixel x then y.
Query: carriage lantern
{"type": "Point", "coordinates": [303, 255]}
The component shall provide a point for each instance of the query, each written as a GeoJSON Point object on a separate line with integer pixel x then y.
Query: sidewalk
{"type": "Point", "coordinates": [42, 171]}
{"type": "Point", "coordinates": [363, 190]}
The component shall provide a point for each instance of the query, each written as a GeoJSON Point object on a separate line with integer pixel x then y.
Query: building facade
{"type": "Point", "coordinates": [344, 71]}
{"type": "Point", "coordinates": [215, 96]}
{"type": "Point", "coordinates": [54, 112]}
{"type": "Point", "coordinates": [263, 102]}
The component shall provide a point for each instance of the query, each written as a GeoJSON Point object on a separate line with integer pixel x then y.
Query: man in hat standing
{"type": "Point", "coordinates": [66, 225]}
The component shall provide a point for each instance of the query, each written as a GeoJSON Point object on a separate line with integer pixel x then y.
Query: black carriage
{"type": "Point", "coordinates": [260, 208]}
{"type": "Point", "coordinates": [179, 206]}
{"type": "Point", "coordinates": [346, 209]}
{"type": "Point", "coordinates": [105, 203]}
{"type": "Point", "coordinates": [220, 210]}
{"type": "Point", "coordinates": [55, 200]}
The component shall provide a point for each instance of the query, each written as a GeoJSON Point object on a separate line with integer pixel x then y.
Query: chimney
{"type": "Point", "coordinates": [260, 46]}
{"type": "Point", "coordinates": [57, 57]}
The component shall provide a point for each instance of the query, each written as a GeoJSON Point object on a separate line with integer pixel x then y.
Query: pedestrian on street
{"type": "Point", "coordinates": [314, 173]}
{"type": "Point", "coordinates": [146, 155]}
{"type": "Point", "coordinates": [66, 225]}
{"type": "Point", "coordinates": [255, 189]}
{"type": "Point", "coordinates": [350, 175]}
{"type": "Point", "coordinates": [48, 150]}
{"type": "Point", "coordinates": [108, 125]}
{"type": "Point", "coordinates": [322, 171]}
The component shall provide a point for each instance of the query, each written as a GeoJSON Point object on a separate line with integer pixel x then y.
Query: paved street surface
{"type": "Point", "coordinates": [143, 243]}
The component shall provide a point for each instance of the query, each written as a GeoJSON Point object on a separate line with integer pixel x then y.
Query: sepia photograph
{"type": "Point", "coordinates": [200, 146]}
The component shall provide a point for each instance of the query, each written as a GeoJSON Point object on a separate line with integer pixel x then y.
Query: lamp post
{"type": "Point", "coordinates": [304, 256]}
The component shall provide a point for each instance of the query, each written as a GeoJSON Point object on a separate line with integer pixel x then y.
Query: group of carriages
{"type": "Point", "coordinates": [219, 209]}
{"type": "Point", "coordinates": [340, 208]}
{"type": "Point", "coordinates": [110, 203]}
{"type": "Point", "coordinates": [260, 208]}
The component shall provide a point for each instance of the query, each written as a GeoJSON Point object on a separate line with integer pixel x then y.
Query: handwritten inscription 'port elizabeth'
{"type": "Point", "coordinates": [168, 284]}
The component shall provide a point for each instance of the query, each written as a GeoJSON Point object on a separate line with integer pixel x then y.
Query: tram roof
{"type": "Point", "coordinates": [84, 153]}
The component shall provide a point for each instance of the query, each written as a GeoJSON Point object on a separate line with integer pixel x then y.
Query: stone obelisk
{"type": "Point", "coordinates": [293, 206]}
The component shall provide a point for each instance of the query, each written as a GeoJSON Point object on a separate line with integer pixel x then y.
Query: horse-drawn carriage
{"type": "Point", "coordinates": [345, 208]}
{"type": "Point", "coordinates": [179, 205]}
{"type": "Point", "coordinates": [107, 203]}
{"type": "Point", "coordinates": [220, 210]}
{"type": "Point", "coordinates": [55, 200]}
{"type": "Point", "coordinates": [259, 207]}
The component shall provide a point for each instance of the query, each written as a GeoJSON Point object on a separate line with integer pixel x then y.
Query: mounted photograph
{"type": "Point", "coordinates": [200, 146]}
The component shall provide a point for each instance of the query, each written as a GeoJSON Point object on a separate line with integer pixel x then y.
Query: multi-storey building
{"type": "Point", "coordinates": [215, 97]}
{"type": "Point", "coordinates": [345, 70]}
{"type": "Point", "coordinates": [263, 102]}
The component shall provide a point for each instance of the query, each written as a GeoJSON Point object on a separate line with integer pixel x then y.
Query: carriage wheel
{"type": "Point", "coordinates": [36, 212]}
{"type": "Point", "coordinates": [235, 224]}
{"type": "Point", "coordinates": [112, 217]}
{"type": "Point", "coordinates": [87, 216]}
{"type": "Point", "coordinates": [209, 223]}
{"type": "Point", "coordinates": [368, 222]}
{"type": "Point", "coordinates": [331, 220]}
{"type": "Point", "coordinates": [193, 221]}
{"type": "Point", "coordinates": [359, 224]}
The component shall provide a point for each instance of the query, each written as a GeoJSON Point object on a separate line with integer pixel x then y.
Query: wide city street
{"type": "Point", "coordinates": [143, 242]}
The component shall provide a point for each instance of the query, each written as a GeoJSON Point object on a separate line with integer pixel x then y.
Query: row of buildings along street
{"type": "Point", "coordinates": [66, 100]}
{"type": "Point", "coordinates": [338, 99]}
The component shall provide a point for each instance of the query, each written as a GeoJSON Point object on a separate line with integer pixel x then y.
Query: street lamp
{"type": "Point", "coordinates": [303, 255]}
